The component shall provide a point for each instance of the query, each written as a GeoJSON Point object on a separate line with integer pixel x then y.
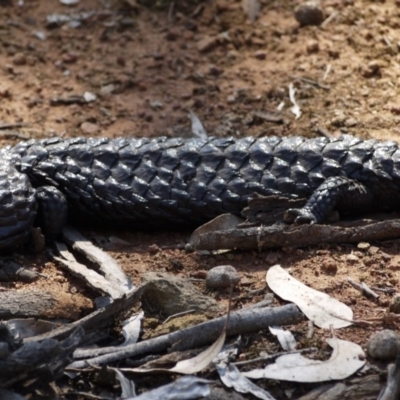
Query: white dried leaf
{"type": "Point", "coordinates": [322, 309]}
{"type": "Point", "coordinates": [346, 359]}
{"type": "Point", "coordinates": [127, 386]}
{"type": "Point", "coordinates": [285, 338]}
{"type": "Point", "coordinates": [232, 378]}
{"type": "Point", "coordinates": [198, 129]}
{"type": "Point", "coordinates": [223, 222]}
{"type": "Point", "coordinates": [131, 328]}
{"type": "Point", "coordinates": [191, 365]}
{"type": "Point", "coordinates": [251, 8]}
{"type": "Point", "coordinates": [202, 360]}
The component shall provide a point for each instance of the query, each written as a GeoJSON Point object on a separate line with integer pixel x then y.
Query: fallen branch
{"type": "Point", "coordinates": [280, 235]}
{"type": "Point", "coordinates": [96, 320]}
{"type": "Point", "coordinates": [241, 322]}
{"type": "Point", "coordinates": [39, 303]}
{"type": "Point", "coordinates": [363, 388]}
{"type": "Point", "coordinates": [364, 288]}
{"type": "Point", "coordinates": [42, 361]}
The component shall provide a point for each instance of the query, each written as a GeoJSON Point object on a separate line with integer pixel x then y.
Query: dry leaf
{"type": "Point", "coordinates": [285, 338]}
{"type": "Point", "coordinates": [232, 377]}
{"type": "Point", "coordinates": [223, 222]}
{"type": "Point", "coordinates": [323, 310]}
{"type": "Point", "coordinates": [192, 365]}
{"type": "Point", "coordinates": [347, 358]}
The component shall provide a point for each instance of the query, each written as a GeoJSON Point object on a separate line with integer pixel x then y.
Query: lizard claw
{"type": "Point", "coordinates": [300, 216]}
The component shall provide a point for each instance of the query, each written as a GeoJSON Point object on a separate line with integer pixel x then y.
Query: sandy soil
{"type": "Point", "coordinates": [148, 67]}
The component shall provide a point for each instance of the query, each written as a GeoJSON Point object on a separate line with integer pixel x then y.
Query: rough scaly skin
{"type": "Point", "coordinates": [156, 181]}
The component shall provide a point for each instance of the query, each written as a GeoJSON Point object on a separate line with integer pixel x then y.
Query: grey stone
{"type": "Point", "coordinates": [309, 13]}
{"type": "Point", "coordinates": [222, 276]}
{"type": "Point", "coordinates": [384, 345]}
{"type": "Point", "coordinates": [394, 306]}
{"type": "Point", "coordinates": [171, 295]}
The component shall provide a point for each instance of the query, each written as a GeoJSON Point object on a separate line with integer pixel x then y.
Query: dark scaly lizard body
{"type": "Point", "coordinates": [159, 181]}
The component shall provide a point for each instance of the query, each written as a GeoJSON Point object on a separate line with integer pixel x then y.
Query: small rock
{"type": "Point", "coordinates": [312, 47]}
{"type": "Point", "coordinates": [384, 345]}
{"type": "Point", "coordinates": [260, 55]}
{"type": "Point", "coordinates": [394, 306]}
{"type": "Point", "coordinates": [351, 258]}
{"type": "Point", "coordinates": [350, 122]}
{"type": "Point", "coordinates": [156, 105]}
{"type": "Point", "coordinates": [373, 69]}
{"type": "Point", "coordinates": [363, 246]}
{"type": "Point", "coordinates": [334, 53]}
{"type": "Point", "coordinates": [231, 98]}
{"type": "Point", "coordinates": [395, 109]}
{"type": "Point", "coordinates": [171, 295]}
{"type": "Point", "coordinates": [89, 97]}
{"type": "Point", "coordinates": [69, 58]}
{"type": "Point", "coordinates": [19, 59]}
{"type": "Point", "coordinates": [222, 276]}
{"type": "Point", "coordinates": [89, 128]}
{"type": "Point", "coordinates": [373, 250]}
{"type": "Point", "coordinates": [207, 43]}
{"type": "Point", "coordinates": [309, 13]}
{"type": "Point", "coordinates": [214, 70]}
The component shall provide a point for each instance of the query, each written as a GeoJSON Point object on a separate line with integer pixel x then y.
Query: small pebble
{"type": "Point", "coordinates": [207, 43]}
{"type": "Point", "coordinates": [363, 246]}
{"type": "Point", "coordinates": [89, 128]}
{"type": "Point", "coordinates": [352, 258]}
{"type": "Point", "coordinates": [394, 306]}
{"type": "Point", "coordinates": [312, 47]}
{"type": "Point", "coordinates": [395, 109]}
{"type": "Point", "coordinates": [309, 13]}
{"type": "Point", "coordinates": [222, 276]}
{"type": "Point", "coordinates": [214, 70]}
{"type": "Point", "coordinates": [69, 58]}
{"type": "Point", "coordinates": [350, 122]}
{"type": "Point", "coordinates": [260, 55]}
{"type": "Point", "coordinates": [272, 258]}
{"type": "Point", "coordinates": [19, 59]}
{"type": "Point", "coordinates": [384, 345]}
{"type": "Point", "coordinates": [373, 69]}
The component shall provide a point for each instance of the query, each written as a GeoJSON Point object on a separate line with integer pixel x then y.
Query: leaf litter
{"type": "Point", "coordinates": [322, 309]}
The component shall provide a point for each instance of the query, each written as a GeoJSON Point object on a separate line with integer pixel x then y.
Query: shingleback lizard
{"type": "Point", "coordinates": [187, 181]}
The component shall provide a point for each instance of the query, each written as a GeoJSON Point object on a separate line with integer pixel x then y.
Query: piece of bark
{"type": "Point", "coordinates": [40, 303]}
{"type": "Point", "coordinates": [240, 322]}
{"type": "Point", "coordinates": [107, 265]}
{"type": "Point", "coordinates": [96, 320]}
{"type": "Point", "coordinates": [365, 388]}
{"type": "Point", "coordinates": [281, 235]}
{"type": "Point", "coordinates": [43, 361]}
{"type": "Point", "coordinates": [91, 277]}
